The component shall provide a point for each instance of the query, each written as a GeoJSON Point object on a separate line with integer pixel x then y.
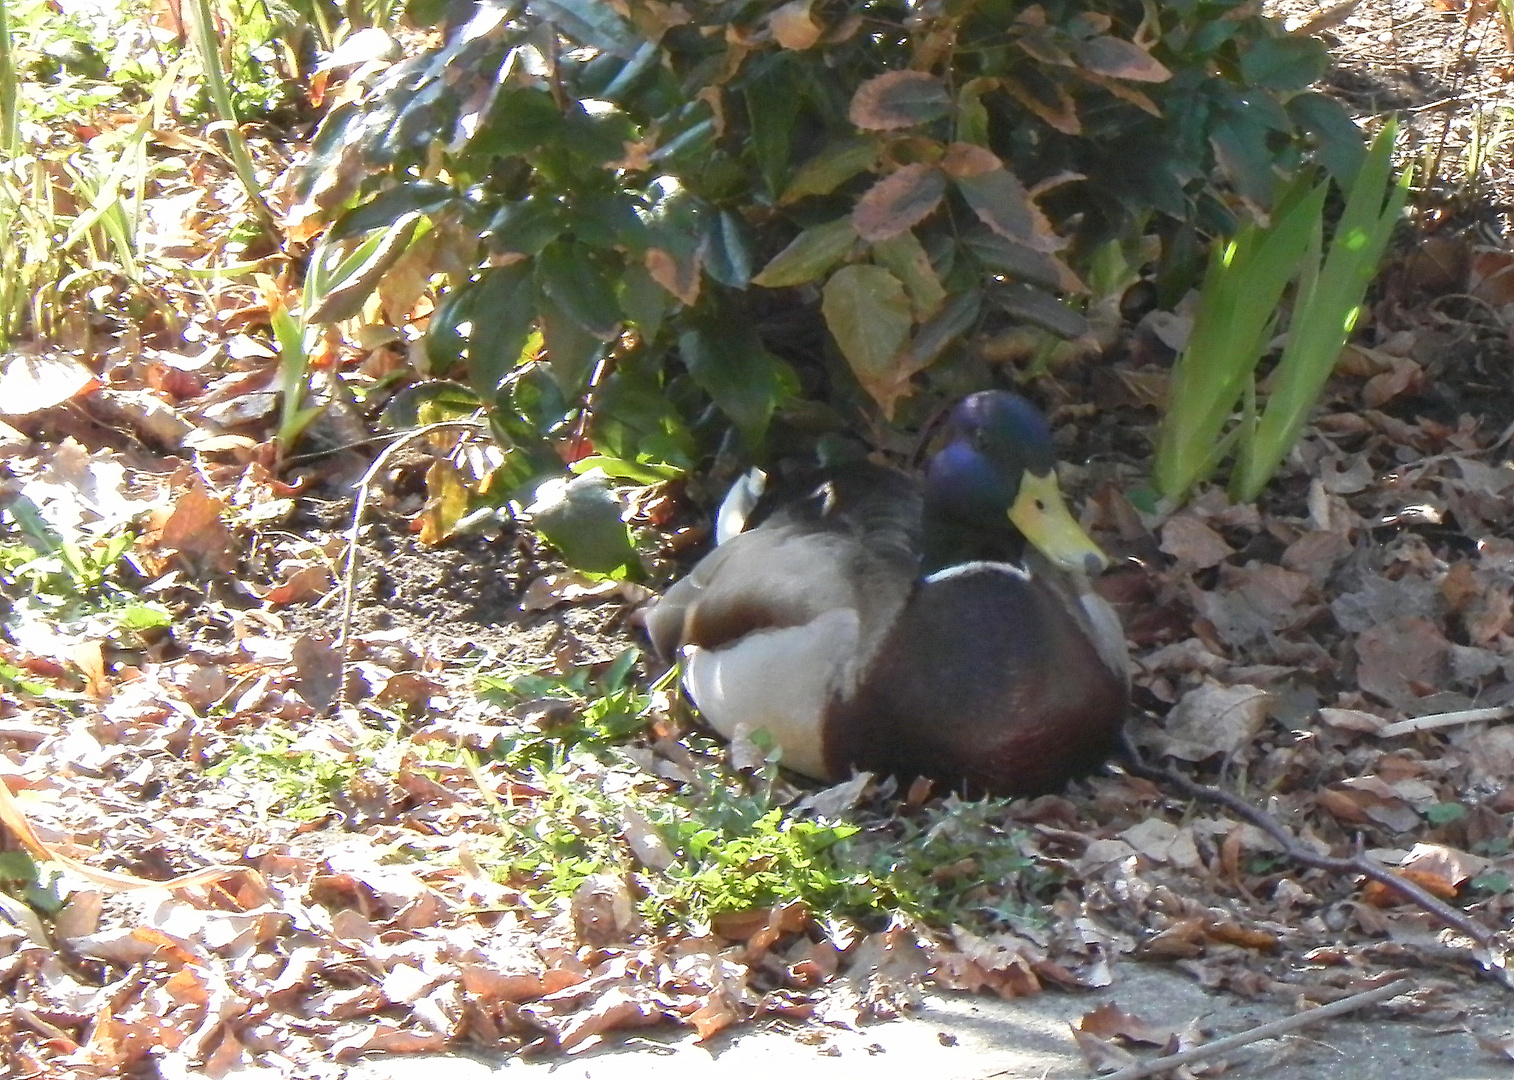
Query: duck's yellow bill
{"type": "Point", "coordinates": [1041, 515]}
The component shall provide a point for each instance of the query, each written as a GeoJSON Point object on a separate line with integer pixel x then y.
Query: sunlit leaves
{"type": "Point", "coordinates": [868, 314]}
{"type": "Point", "coordinates": [808, 255]}
{"type": "Point", "coordinates": [832, 167]}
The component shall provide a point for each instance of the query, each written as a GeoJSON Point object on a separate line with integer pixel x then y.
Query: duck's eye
{"type": "Point", "coordinates": [1040, 506]}
{"type": "Point", "coordinates": [980, 440]}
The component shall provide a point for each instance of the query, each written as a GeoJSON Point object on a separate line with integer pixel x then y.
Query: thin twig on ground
{"type": "Point", "coordinates": [1265, 1031]}
{"type": "Point", "coordinates": [359, 508]}
{"type": "Point", "coordinates": [1359, 863]}
{"type": "Point", "coordinates": [1445, 720]}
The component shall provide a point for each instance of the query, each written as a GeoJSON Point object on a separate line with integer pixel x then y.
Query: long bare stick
{"type": "Point", "coordinates": [360, 506]}
{"type": "Point", "coordinates": [1265, 1031]}
{"type": "Point", "coordinates": [1360, 863]}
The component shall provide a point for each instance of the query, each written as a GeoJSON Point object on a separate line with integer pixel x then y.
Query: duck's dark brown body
{"type": "Point", "coordinates": [987, 681]}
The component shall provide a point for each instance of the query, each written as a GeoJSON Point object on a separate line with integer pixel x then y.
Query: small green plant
{"type": "Point", "coordinates": [1444, 813]}
{"type": "Point", "coordinates": [70, 213]}
{"type": "Point", "coordinates": [731, 846]}
{"type": "Point", "coordinates": [304, 777]}
{"type": "Point", "coordinates": [38, 887]}
{"type": "Point", "coordinates": [1238, 309]}
{"type": "Point", "coordinates": [564, 712]}
{"type": "Point", "coordinates": [70, 578]}
{"type": "Point", "coordinates": [337, 282]}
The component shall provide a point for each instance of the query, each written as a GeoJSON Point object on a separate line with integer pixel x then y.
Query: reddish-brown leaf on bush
{"type": "Point", "coordinates": [1053, 104]}
{"type": "Point", "coordinates": [793, 26]}
{"type": "Point", "coordinates": [1120, 59]}
{"type": "Point", "coordinates": [898, 202]}
{"type": "Point", "coordinates": [899, 99]}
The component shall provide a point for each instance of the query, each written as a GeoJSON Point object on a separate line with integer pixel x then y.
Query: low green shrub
{"type": "Point", "coordinates": [652, 207]}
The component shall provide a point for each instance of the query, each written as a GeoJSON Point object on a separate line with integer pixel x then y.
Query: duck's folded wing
{"type": "Point", "coordinates": [770, 578]}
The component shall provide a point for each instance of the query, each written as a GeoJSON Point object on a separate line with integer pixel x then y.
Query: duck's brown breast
{"type": "Point", "coordinates": [986, 680]}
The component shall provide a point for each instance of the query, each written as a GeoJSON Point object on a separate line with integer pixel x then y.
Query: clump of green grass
{"type": "Point", "coordinates": [733, 846]}
{"type": "Point", "coordinates": [70, 580]}
{"type": "Point", "coordinates": [730, 844]}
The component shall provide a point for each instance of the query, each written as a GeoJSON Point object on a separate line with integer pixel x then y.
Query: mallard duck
{"type": "Point", "coordinates": [939, 626]}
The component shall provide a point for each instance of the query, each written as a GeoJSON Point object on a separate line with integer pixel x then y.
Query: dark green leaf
{"type": "Point", "coordinates": [328, 150]}
{"type": "Point", "coordinates": [772, 106]}
{"type": "Point", "coordinates": [1039, 309]}
{"type": "Point", "coordinates": [950, 323]}
{"type": "Point", "coordinates": [1002, 203]}
{"type": "Point", "coordinates": [503, 311]}
{"type": "Point", "coordinates": [808, 255]}
{"type": "Point", "coordinates": [537, 399]}
{"type": "Point", "coordinates": [644, 302]}
{"type": "Point", "coordinates": [599, 137]}
{"type": "Point", "coordinates": [581, 287]}
{"type": "Point", "coordinates": [591, 22]}
{"type": "Point", "coordinates": [445, 341]}
{"type": "Point", "coordinates": [526, 227]}
{"type": "Point", "coordinates": [608, 219]}
{"type": "Point", "coordinates": [425, 196]}
{"type": "Point", "coordinates": [1339, 145]}
{"type": "Point", "coordinates": [727, 252]}
{"type": "Point", "coordinates": [571, 351]}
{"type": "Point", "coordinates": [1240, 146]}
{"type": "Point", "coordinates": [1287, 63]}
{"type": "Point", "coordinates": [522, 120]}
{"type": "Point", "coordinates": [730, 364]}
{"type": "Point", "coordinates": [832, 167]}
{"type": "Point", "coordinates": [1014, 259]}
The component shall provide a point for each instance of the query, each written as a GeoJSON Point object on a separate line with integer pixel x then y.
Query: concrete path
{"type": "Point", "coordinates": [975, 1038]}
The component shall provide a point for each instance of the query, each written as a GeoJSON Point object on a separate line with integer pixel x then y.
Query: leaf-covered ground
{"type": "Point", "coordinates": [485, 822]}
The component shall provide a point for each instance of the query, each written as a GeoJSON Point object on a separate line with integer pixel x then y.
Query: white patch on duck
{"type": "Point", "coordinates": [977, 567]}
{"type": "Point", "coordinates": [737, 506]}
{"type": "Point", "coordinates": [780, 681]}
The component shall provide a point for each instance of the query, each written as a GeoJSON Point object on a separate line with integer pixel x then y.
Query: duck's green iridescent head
{"type": "Point", "coordinates": [996, 464]}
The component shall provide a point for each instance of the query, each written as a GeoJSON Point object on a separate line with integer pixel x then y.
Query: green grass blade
{"type": "Point", "coordinates": [1242, 287]}
{"type": "Point", "coordinates": [1326, 315]}
{"type": "Point", "coordinates": [203, 26]}
{"type": "Point", "coordinates": [10, 119]}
